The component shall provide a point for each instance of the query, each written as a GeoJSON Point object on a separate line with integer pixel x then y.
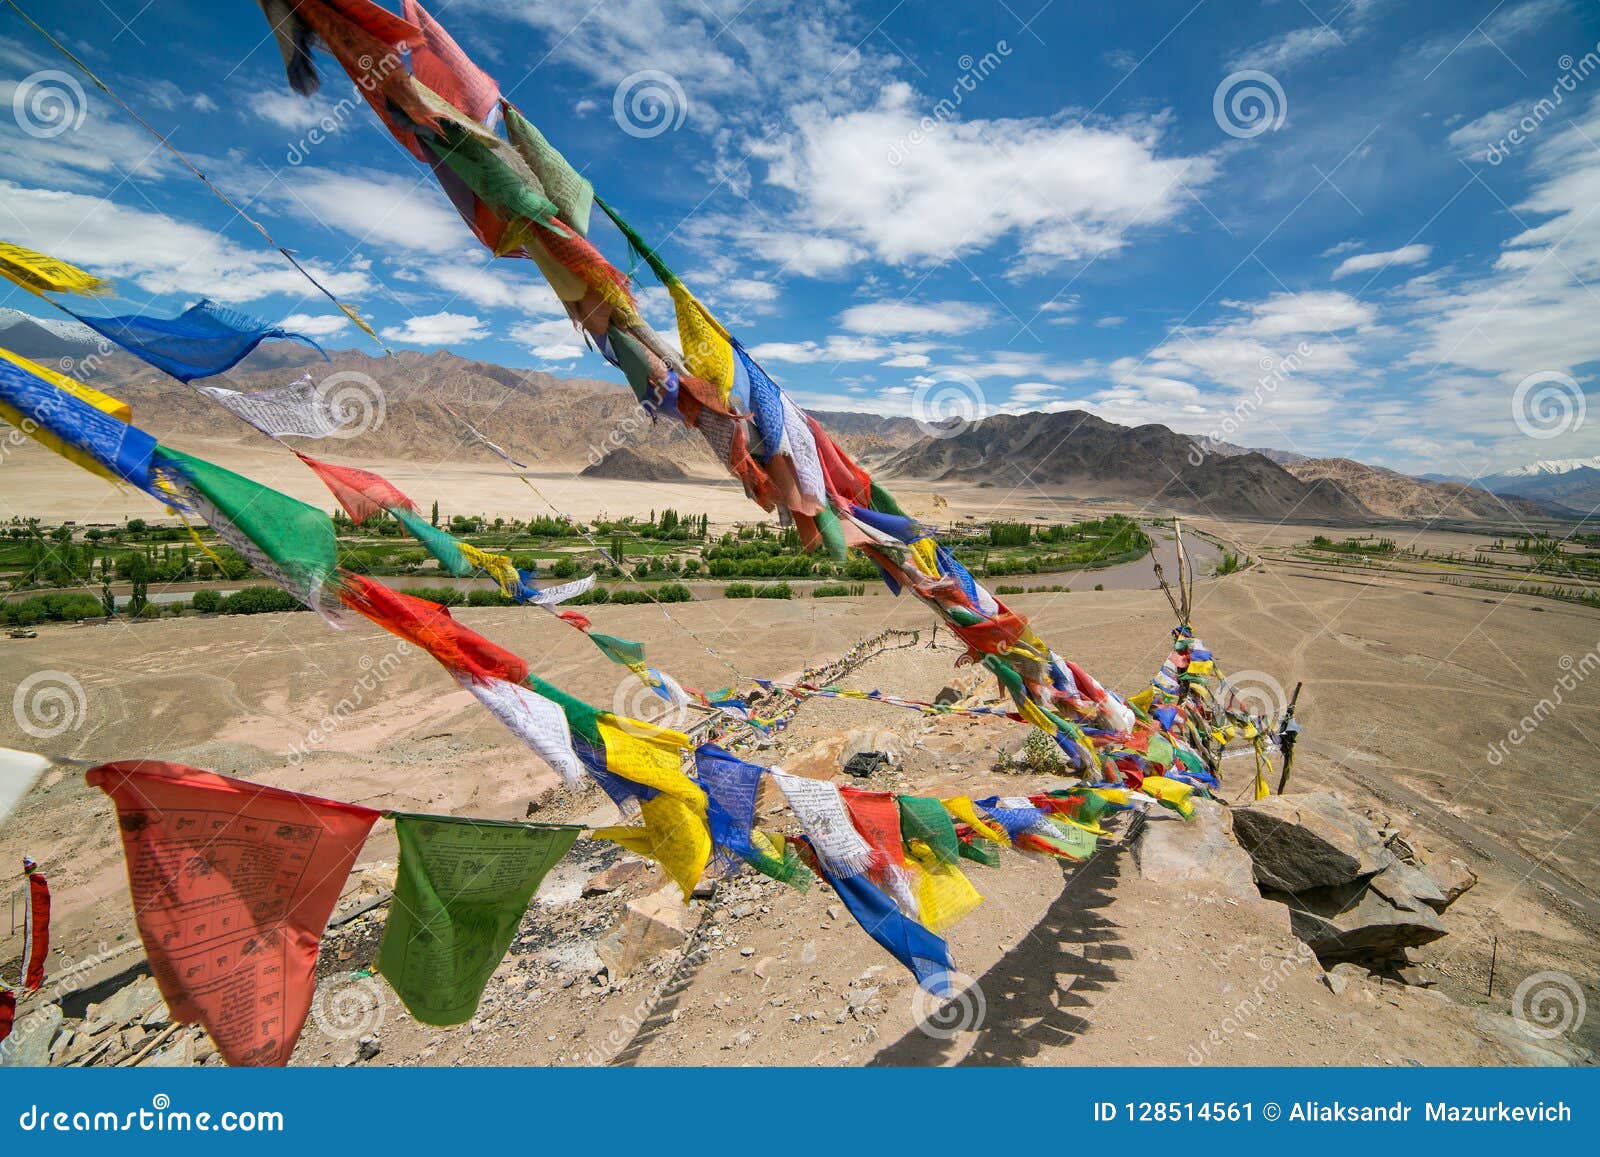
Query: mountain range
{"type": "Point", "coordinates": [571, 424]}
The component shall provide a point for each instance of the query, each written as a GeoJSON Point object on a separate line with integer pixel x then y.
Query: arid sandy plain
{"type": "Point", "coordinates": [1409, 683]}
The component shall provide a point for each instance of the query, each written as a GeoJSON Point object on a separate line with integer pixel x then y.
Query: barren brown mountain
{"type": "Point", "coordinates": [1394, 495]}
{"type": "Point", "coordinates": [1093, 458]}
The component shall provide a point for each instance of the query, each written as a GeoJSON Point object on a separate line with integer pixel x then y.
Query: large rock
{"type": "Point", "coordinates": [28, 1046]}
{"type": "Point", "coordinates": [1200, 853]}
{"type": "Point", "coordinates": [129, 1004]}
{"type": "Point", "coordinates": [1403, 885]}
{"type": "Point", "coordinates": [649, 926]}
{"type": "Point", "coordinates": [1453, 878]}
{"type": "Point", "coordinates": [1308, 841]}
{"type": "Point", "coordinates": [1357, 921]}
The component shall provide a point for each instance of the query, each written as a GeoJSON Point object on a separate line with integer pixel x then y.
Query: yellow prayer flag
{"type": "Point", "coordinates": [674, 835]}
{"type": "Point", "coordinates": [646, 754]}
{"type": "Point", "coordinates": [963, 809]}
{"type": "Point", "coordinates": [497, 566]}
{"type": "Point", "coordinates": [706, 349]}
{"type": "Point", "coordinates": [39, 273]}
{"type": "Point", "coordinates": [1170, 791]}
{"type": "Point", "coordinates": [943, 892]}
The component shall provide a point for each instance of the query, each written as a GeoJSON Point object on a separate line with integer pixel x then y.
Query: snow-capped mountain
{"type": "Point", "coordinates": [1551, 466]}
{"type": "Point", "coordinates": [45, 338]}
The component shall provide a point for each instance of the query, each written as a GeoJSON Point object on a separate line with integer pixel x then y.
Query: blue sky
{"type": "Point", "coordinates": [1366, 227]}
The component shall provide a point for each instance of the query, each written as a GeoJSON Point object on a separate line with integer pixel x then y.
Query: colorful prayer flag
{"type": "Point", "coordinates": [35, 926]}
{"type": "Point", "coordinates": [232, 885]}
{"type": "Point", "coordinates": [39, 273]}
{"type": "Point", "coordinates": [203, 340]}
{"type": "Point", "coordinates": [459, 898]}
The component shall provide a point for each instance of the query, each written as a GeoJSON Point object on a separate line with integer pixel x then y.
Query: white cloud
{"type": "Point", "coordinates": [437, 329]}
{"type": "Point", "coordinates": [316, 325]}
{"type": "Point", "coordinates": [1534, 310]}
{"type": "Point", "coordinates": [387, 209]}
{"type": "Point", "coordinates": [1474, 139]}
{"type": "Point", "coordinates": [897, 317]}
{"type": "Point", "coordinates": [844, 348]}
{"type": "Point", "coordinates": [1110, 322]}
{"type": "Point", "coordinates": [1299, 45]}
{"type": "Point", "coordinates": [1368, 262]}
{"type": "Point", "coordinates": [157, 253]}
{"type": "Point", "coordinates": [501, 285]}
{"type": "Point", "coordinates": [915, 193]}
{"type": "Point", "coordinates": [552, 341]}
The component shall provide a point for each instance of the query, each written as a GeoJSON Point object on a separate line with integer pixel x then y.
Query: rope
{"type": "Point", "coordinates": [348, 311]}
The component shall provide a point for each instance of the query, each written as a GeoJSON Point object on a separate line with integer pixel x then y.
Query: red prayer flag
{"type": "Point", "coordinates": [439, 63]}
{"type": "Point", "coordinates": [430, 627]}
{"type": "Point", "coordinates": [232, 887]}
{"type": "Point", "coordinates": [361, 492]}
{"type": "Point", "coordinates": [8, 1011]}
{"type": "Point", "coordinates": [35, 927]}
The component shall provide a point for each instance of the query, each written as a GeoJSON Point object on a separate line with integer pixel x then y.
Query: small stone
{"type": "Point", "coordinates": [747, 951]}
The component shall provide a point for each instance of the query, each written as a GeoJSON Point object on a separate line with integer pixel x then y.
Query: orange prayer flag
{"type": "Point", "coordinates": [232, 884]}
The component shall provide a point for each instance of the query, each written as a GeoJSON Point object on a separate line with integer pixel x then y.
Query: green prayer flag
{"type": "Point", "coordinates": [924, 818]}
{"type": "Point", "coordinates": [441, 545]}
{"type": "Point", "coordinates": [618, 650]}
{"type": "Point", "coordinates": [462, 890]}
{"type": "Point", "coordinates": [273, 531]}
{"type": "Point", "coordinates": [1072, 840]}
{"type": "Point", "coordinates": [981, 851]}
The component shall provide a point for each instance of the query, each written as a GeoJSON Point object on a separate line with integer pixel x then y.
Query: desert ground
{"type": "Point", "coordinates": [1408, 684]}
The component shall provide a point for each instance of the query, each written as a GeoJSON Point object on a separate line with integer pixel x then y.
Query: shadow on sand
{"type": "Point", "coordinates": [1040, 994]}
